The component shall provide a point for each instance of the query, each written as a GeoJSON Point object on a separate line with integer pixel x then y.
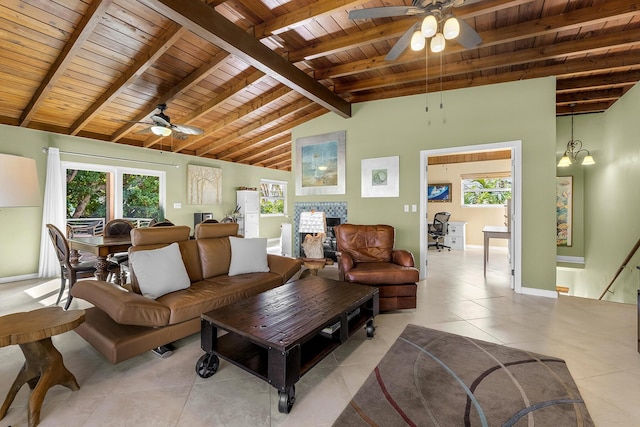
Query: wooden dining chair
{"type": "Point", "coordinates": [119, 227]}
{"type": "Point", "coordinates": [69, 271]}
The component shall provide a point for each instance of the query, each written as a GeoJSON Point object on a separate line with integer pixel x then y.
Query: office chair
{"type": "Point", "coordinates": [439, 229]}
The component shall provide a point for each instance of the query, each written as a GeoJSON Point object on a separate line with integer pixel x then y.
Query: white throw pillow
{"type": "Point", "coordinates": [159, 271]}
{"type": "Point", "coordinates": [248, 256]}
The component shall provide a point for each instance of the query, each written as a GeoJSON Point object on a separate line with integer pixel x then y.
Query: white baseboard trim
{"type": "Point", "coordinates": [570, 259]}
{"type": "Point", "coordinates": [18, 278]}
{"type": "Point", "coordinates": [539, 292]}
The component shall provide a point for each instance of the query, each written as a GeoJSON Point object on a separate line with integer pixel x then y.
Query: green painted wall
{"type": "Point", "coordinates": [611, 201]}
{"type": "Point", "coordinates": [505, 112]}
{"type": "Point", "coordinates": [20, 227]}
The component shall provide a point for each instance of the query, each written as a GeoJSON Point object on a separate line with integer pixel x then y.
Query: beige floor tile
{"type": "Point", "coordinates": [597, 339]}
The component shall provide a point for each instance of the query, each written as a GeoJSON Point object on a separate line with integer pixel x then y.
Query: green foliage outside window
{"type": "Point", "coordinates": [272, 206]}
{"type": "Point", "coordinates": [86, 194]}
{"type": "Point", "coordinates": [486, 191]}
{"type": "Point", "coordinates": [141, 196]}
{"type": "Point", "coordinates": [272, 198]}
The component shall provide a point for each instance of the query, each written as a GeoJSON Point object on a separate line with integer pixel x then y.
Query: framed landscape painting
{"type": "Point", "coordinates": [564, 210]}
{"type": "Point", "coordinates": [320, 164]}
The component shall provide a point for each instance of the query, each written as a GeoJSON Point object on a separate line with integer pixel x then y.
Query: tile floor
{"type": "Point", "coordinates": [597, 339]}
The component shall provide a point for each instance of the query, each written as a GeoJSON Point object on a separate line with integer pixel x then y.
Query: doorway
{"type": "Point", "coordinates": [516, 202]}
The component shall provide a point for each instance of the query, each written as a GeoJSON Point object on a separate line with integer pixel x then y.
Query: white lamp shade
{"type": "Point", "coordinates": [437, 43]}
{"type": "Point", "coordinates": [312, 222]}
{"type": "Point", "coordinates": [588, 160]}
{"type": "Point", "coordinates": [429, 26]}
{"type": "Point", "coordinates": [18, 182]}
{"type": "Point", "coordinates": [451, 28]}
{"type": "Point", "coordinates": [160, 130]}
{"type": "Point", "coordinates": [417, 41]}
{"type": "Point", "coordinates": [564, 162]}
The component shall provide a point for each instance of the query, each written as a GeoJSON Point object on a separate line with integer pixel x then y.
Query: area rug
{"type": "Point", "coordinates": [433, 378]}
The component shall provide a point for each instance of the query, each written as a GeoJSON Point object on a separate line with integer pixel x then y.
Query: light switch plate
{"type": "Point", "coordinates": [177, 206]}
{"type": "Point", "coordinates": [414, 208]}
{"type": "Point", "coordinates": [406, 208]}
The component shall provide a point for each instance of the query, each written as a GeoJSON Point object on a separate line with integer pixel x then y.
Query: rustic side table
{"type": "Point", "coordinates": [43, 367]}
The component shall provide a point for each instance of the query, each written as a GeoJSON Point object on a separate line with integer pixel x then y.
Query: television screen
{"type": "Point", "coordinates": [439, 192]}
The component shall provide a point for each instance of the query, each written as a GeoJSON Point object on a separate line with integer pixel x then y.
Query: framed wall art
{"type": "Point", "coordinates": [320, 164]}
{"type": "Point", "coordinates": [204, 185]}
{"type": "Point", "coordinates": [380, 177]}
{"type": "Point", "coordinates": [439, 192]}
{"type": "Point", "coordinates": [564, 210]}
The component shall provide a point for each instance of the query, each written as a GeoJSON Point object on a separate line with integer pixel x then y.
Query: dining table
{"type": "Point", "coordinates": [102, 247]}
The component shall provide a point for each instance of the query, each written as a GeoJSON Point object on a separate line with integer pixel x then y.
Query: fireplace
{"type": "Point", "coordinates": [330, 246]}
{"type": "Point", "coordinates": [335, 213]}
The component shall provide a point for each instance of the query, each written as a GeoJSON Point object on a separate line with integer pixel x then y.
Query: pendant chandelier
{"type": "Point", "coordinates": [429, 30]}
{"type": "Point", "coordinates": [574, 149]}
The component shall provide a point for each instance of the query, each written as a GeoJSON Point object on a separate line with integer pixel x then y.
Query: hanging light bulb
{"type": "Point", "coordinates": [429, 26]}
{"type": "Point", "coordinates": [437, 43]}
{"type": "Point", "coordinates": [451, 28]}
{"type": "Point", "coordinates": [417, 41]}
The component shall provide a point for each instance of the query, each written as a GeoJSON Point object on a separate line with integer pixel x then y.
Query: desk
{"type": "Point", "coordinates": [101, 246]}
{"type": "Point", "coordinates": [43, 367]}
{"type": "Point", "coordinates": [496, 232]}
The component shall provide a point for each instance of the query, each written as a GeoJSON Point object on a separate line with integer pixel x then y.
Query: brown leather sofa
{"type": "Point", "coordinates": [366, 255]}
{"type": "Point", "coordinates": [123, 324]}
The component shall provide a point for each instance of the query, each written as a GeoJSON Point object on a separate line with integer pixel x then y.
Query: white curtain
{"type": "Point", "coordinates": [53, 212]}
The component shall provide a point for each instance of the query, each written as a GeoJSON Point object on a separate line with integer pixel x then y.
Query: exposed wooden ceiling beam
{"type": "Point", "coordinates": [240, 113]}
{"type": "Point", "coordinates": [589, 96]}
{"type": "Point", "coordinates": [469, 157]}
{"type": "Point", "coordinates": [140, 65]}
{"type": "Point", "coordinates": [264, 149]}
{"type": "Point", "coordinates": [310, 114]}
{"type": "Point", "coordinates": [602, 80]}
{"type": "Point", "coordinates": [193, 79]}
{"type": "Point", "coordinates": [301, 16]}
{"type": "Point", "coordinates": [213, 27]}
{"type": "Point", "coordinates": [86, 26]}
{"type": "Point", "coordinates": [257, 124]}
{"type": "Point", "coordinates": [535, 54]}
{"type": "Point", "coordinates": [548, 25]}
{"type": "Point", "coordinates": [203, 109]}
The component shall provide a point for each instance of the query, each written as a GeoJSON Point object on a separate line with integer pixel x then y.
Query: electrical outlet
{"type": "Point", "coordinates": [177, 206]}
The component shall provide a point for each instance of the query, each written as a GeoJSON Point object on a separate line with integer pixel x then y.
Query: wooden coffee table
{"type": "Point", "coordinates": [43, 367]}
{"type": "Point", "coordinates": [278, 335]}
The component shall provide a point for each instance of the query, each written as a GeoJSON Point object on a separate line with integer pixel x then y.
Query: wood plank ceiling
{"type": "Point", "coordinates": [247, 71]}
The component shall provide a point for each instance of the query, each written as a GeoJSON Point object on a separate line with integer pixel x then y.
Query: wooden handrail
{"type": "Point", "coordinates": [624, 264]}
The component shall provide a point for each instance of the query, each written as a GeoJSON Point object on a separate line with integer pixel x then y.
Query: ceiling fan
{"type": "Point", "coordinates": [161, 126]}
{"type": "Point", "coordinates": [439, 24]}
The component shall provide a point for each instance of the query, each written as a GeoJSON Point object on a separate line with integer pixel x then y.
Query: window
{"type": "Point", "coordinates": [273, 197]}
{"type": "Point", "coordinates": [486, 189]}
{"type": "Point", "coordinates": [99, 193]}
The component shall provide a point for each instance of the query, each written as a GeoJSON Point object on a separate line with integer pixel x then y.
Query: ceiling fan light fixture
{"type": "Point", "coordinates": [429, 26]}
{"type": "Point", "coordinates": [437, 43]}
{"type": "Point", "coordinates": [160, 130]}
{"type": "Point", "coordinates": [451, 28]}
{"type": "Point", "coordinates": [417, 41]}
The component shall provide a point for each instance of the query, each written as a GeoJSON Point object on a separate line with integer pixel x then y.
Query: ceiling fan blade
{"type": "Point", "coordinates": [188, 130]}
{"type": "Point", "coordinates": [385, 12]}
{"type": "Point", "coordinates": [468, 37]}
{"type": "Point", "coordinates": [402, 43]}
{"type": "Point", "coordinates": [160, 121]}
{"type": "Point", "coordinates": [180, 136]}
{"type": "Point", "coordinates": [144, 131]}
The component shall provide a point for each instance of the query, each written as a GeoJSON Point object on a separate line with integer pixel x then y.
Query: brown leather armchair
{"type": "Point", "coordinates": [366, 255]}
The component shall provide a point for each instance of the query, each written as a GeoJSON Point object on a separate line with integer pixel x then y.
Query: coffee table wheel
{"type": "Point", "coordinates": [371, 330]}
{"type": "Point", "coordinates": [207, 365]}
{"type": "Point", "coordinates": [286, 399]}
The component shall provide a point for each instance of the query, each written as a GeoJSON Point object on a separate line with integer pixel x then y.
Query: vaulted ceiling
{"type": "Point", "coordinates": [247, 71]}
